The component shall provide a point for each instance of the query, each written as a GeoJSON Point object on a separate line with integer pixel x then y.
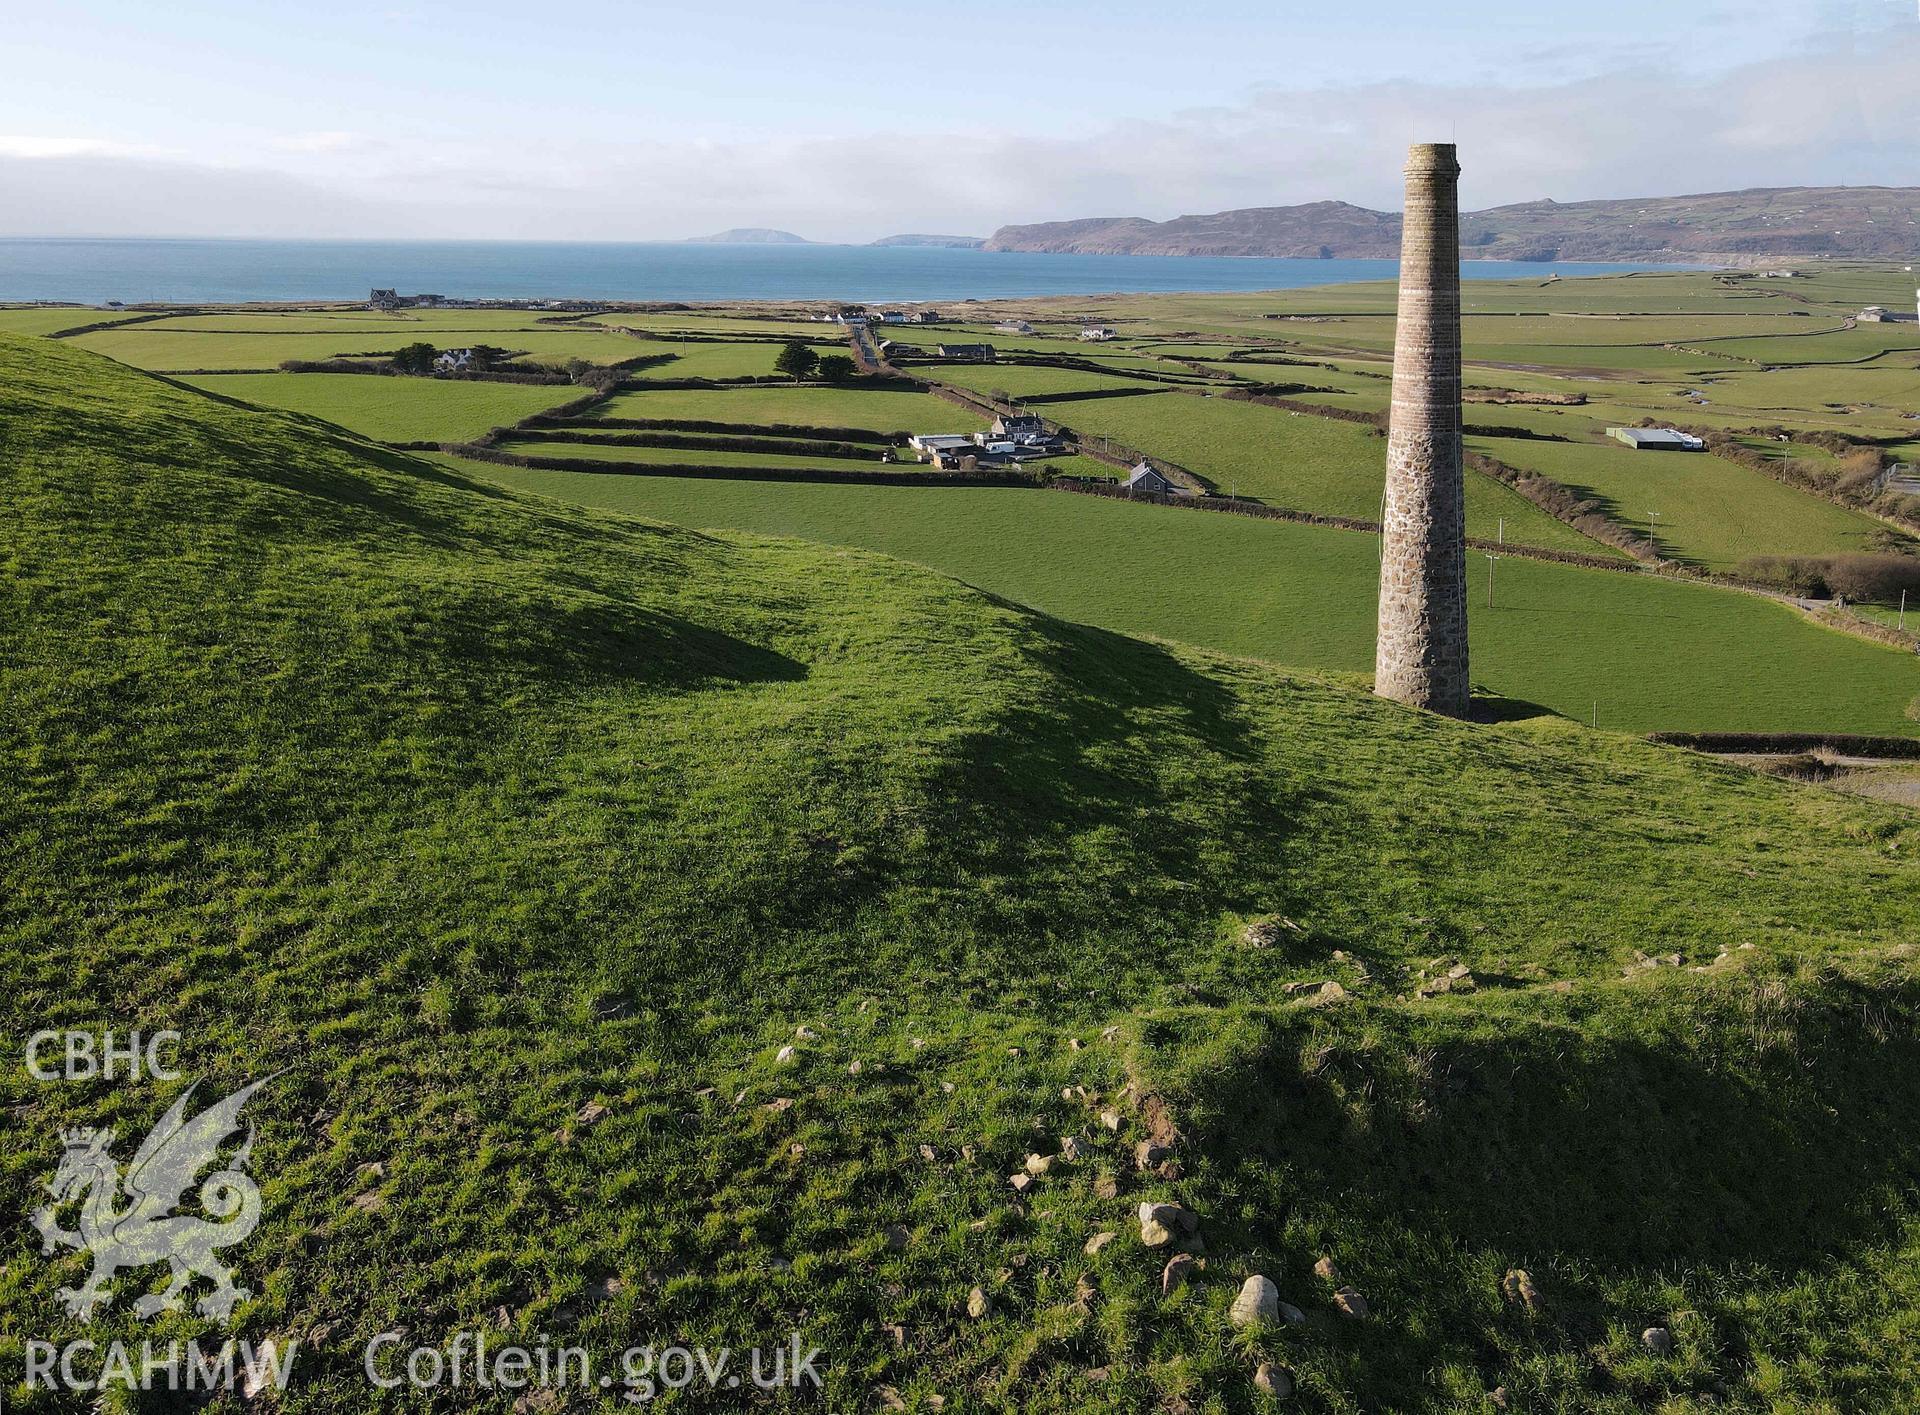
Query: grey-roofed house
{"type": "Point", "coordinates": [1149, 479]}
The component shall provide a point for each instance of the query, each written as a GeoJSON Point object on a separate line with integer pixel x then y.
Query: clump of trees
{"type": "Point", "coordinates": [601, 378]}
{"type": "Point", "coordinates": [837, 368]}
{"type": "Point", "coordinates": [797, 360]}
{"type": "Point", "coordinates": [415, 358]}
{"type": "Point", "coordinates": [1869, 578]}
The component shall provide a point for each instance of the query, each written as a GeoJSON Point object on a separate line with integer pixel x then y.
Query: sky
{"type": "Point", "coordinates": [601, 120]}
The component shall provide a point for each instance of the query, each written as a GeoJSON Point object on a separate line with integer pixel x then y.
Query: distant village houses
{"type": "Point", "coordinates": [453, 361]}
{"type": "Point", "coordinates": [1013, 326]}
{"type": "Point", "coordinates": [1097, 333]}
{"type": "Point", "coordinates": [965, 351]}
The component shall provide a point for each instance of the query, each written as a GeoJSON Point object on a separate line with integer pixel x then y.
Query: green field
{"type": "Point", "coordinates": [1295, 460]}
{"type": "Point", "coordinates": [43, 320]}
{"type": "Point", "coordinates": [693, 456]}
{"type": "Point", "coordinates": [513, 840]}
{"type": "Point", "coordinates": [706, 358]}
{"type": "Point", "coordinates": [1032, 380]}
{"type": "Point", "coordinates": [1712, 512]}
{"type": "Point", "coordinates": [777, 405]}
{"type": "Point", "coordinates": [392, 409]}
{"type": "Point", "coordinates": [168, 350]}
{"type": "Point", "coordinates": [1653, 654]}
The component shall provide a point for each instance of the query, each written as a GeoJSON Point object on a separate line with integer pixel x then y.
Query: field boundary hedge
{"type": "Point", "coordinates": [794, 430]}
{"type": "Point", "coordinates": [816, 447]}
{"type": "Point", "coordinates": [1790, 743]}
{"type": "Point", "coordinates": [485, 452]}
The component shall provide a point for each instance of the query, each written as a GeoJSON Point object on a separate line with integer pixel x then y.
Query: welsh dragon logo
{"type": "Point", "coordinates": [146, 1230]}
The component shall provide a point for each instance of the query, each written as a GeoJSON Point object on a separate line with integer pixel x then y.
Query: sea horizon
{"type": "Point", "coordinates": [94, 270]}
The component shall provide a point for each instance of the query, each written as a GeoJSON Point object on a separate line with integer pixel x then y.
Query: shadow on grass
{"type": "Point", "coordinates": [1762, 1122]}
{"type": "Point", "coordinates": [1134, 792]}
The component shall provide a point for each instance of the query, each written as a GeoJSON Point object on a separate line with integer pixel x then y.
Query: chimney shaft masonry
{"type": "Point", "coordinates": [1421, 659]}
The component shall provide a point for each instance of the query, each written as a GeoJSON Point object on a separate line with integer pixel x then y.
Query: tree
{"type": "Point", "coordinates": [797, 360]}
{"type": "Point", "coordinates": [835, 367]}
{"type": "Point", "coordinates": [415, 358]}
{"type": "Point", "coordinates": [484, 357]}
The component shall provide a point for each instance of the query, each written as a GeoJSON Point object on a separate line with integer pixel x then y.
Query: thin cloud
{"type": "Point", "coordinates": [1838, 113]}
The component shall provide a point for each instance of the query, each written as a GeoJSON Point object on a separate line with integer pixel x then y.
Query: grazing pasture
{"type": "Point", "coordinates": [1296, 460]}
{"type": "Point", "coordinates": [42, 319]}
{"type": "Point", "coordinates": [391, 409]}
{"type": "Point", "coordinates": [1654, 654]}
{"type": "Point", "coordinates": [1711, 512]}
{"type": "Point", "coordinates": [883, 410]}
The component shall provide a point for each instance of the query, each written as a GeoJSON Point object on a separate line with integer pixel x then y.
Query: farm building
{"type": "Point", "coordinates": [384, 300]}
{"type": "Point", "coordinates": [1013, 326]}
{"type": "Point", "coordinates": [966, 351]}
{"type": "Point", "coordinates": [1146, 478]}
{"type": "Point", "coordinates": [1656, 439]}
{"type": "Point", "coordinates": [453, 361]}
{"type": "Point", "coordinates": [931, 445]}
{"type": "Point", "coordinates": [1880, 314]}
{"type": "Point", "coordinates": [927, 317]}
{"type": "Point", "coordinates": [1097, 333]}
{"type": "Point", "coordinates": [893, 316]}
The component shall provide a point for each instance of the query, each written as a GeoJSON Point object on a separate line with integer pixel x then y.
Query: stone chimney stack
{"type": "Point", "coordinates": [1421, 659]}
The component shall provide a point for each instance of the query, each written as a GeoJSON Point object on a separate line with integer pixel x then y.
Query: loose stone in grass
{"type": "Point", "coordinates": [1038, 1164]}
{"type": "Point", "coordinates": [853, 1067]}
{"type": "Point", "coordinates": [1276, 1381]}
{"type": "Point", "coordinates": [1149, 1154]}
{"type": "Point", "coordinates": [592, 1113]}
{"type": "Point", "coordinates": [1258, 1301]}
{"type": "Point", "coordinates": [1161, 1224]}
{"type": "Point", "coordinates": [1292, 1315]}
{"type": "Point", "coordinates": [1099, 1241]}
{"type": "Point", "coordinates": [1325, 1269]}
{"type": "Point", "coordinates": [1021, 1182]}
{"type": "Point", "coordinates": [1517, 1286]}
{"type": "Point", "coordinates": [1106, 1187]}
{"type": "Point", "coordinates": [898, 1237]}
{"type": "Point", "coordinates": [978, 1303]}
{"type": "Point", "coordinates": [1110, 1119]}
{"type": "Point", "coordinates": [784, 1055]}
{"type": "Point", "coordinates": [1177, 1273]}
{"type": "Point", "coordinates": [1658, 1340]}
{"type": "Point", "coordinates": [1073, 1043]}
{"type": "Point", "coordinates": [1071, 1150]}
{"type": "Point", "coordinates": [1350, 1302]}
{"type": "Point", "coordinates": [780, 1104]}
{"type": "Point", "coordinates": [1107, 1034]}
{"type": "Point", "coordinates": [928, 1153]}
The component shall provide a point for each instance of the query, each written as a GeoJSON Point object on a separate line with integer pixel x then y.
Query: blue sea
{"type": "Point", "coordinates": [95, 271]}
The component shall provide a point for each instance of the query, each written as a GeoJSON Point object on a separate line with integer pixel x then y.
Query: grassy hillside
{"type": "Point", "coordinates": [522, 837]}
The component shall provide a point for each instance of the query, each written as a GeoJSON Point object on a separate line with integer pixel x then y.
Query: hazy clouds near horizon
{"type": "Point", "coordinates": [1842, 111]}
